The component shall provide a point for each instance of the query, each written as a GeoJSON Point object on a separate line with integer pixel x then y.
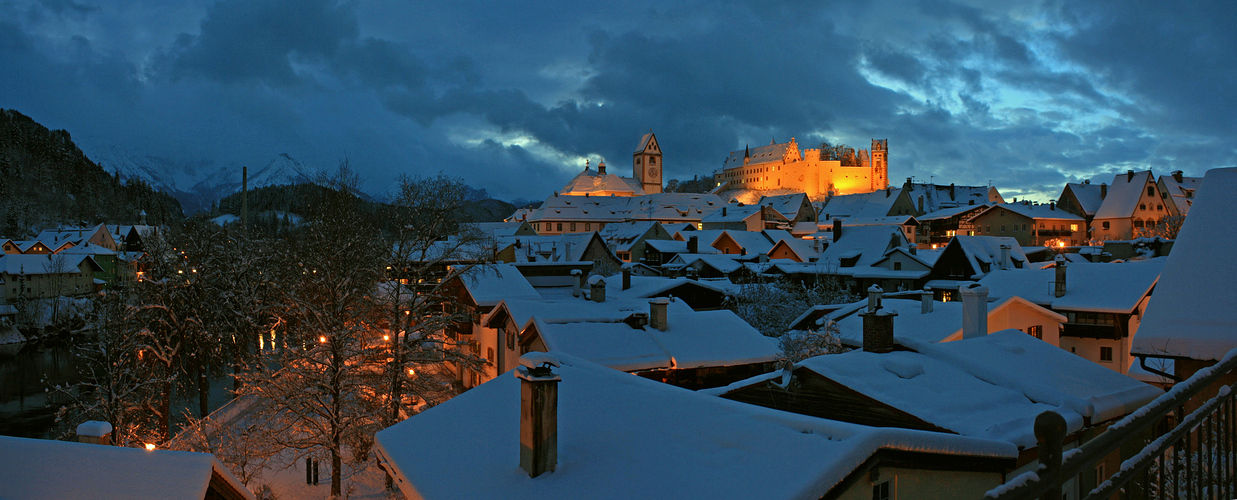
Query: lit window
{"type": "Point", "coordinates": [1073, 227]}
{"type": "Point", "coordinates": [1036, 331]}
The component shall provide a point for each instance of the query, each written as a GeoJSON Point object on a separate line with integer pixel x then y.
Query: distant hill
{"type": "Point", "coordinates": [45, 179]}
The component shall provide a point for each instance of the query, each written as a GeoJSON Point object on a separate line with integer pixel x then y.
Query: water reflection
{"type": "Point", "coordinates": [25, 409]}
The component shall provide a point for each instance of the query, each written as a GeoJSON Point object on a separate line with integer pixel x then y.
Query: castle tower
{"type": "Point", "coordinates": [880, 165]}
{"type": "Point", "coordinates": [646, 164]}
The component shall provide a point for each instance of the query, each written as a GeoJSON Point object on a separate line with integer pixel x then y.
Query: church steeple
{"type": "Point", "coordinates": [646, 164]}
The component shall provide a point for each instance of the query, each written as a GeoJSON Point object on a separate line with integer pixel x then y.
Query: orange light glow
{"type": "Point", "coordinates": [150, 446]}
{"type": "Point", "coordinates": [322, 339]}
{"type": "Point", "coordinates": [386, 338]}
{"type": "Point", "coordinates": [411, 372]}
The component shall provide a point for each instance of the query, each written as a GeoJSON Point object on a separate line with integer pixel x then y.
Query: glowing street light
{"type": "Point", "coordinates": [150, 446]}
{"type": "Point", "coordinates": [322, 339]}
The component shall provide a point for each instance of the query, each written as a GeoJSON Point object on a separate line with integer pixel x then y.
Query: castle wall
{"type": "Point", "coordinates": [809, 175]}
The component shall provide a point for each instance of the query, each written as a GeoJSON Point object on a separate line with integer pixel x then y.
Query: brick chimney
{"type": "Point", "coordinates": [1103, 190]}
{"type": "Point", "coordinates": [1179, 176]}
{"type": "Point", "coordinates": [94, 432]}
{"type": "Point", "coordinates": [538, 412]}
{"type": "Point", "coordinates": [626, 276]}
{"type": "Point", "coordinates": [925, 301]}
{"type": "Point", "coordinates": [597, 289]}
{"type": "Point", "coordinates": [659, 313]}
{"type": "Point", "coordinates": [877, 324]}
{"type": "Point", "coordinates": [576, 283]}
{"type": "Point", "coordinates": [1058, 288]}
{"type": "Point", "coordinates": [1004, 264]}
{"type": "Point", "coordinates": [837, 229]}
{"type": "Point", "coordinates": [974, 310]}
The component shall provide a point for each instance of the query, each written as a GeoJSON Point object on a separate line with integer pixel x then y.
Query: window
{"type": "Point", "coordinates": [1105, 224]}
{"type": "Point", "coordinates": [1150, 190]}
{"type": "Point", "coordinates": [652, 161]}
{"type": "Point", "coordinates": [1100, 474]}
{"type": "Point", "coordinates": [1024, 227]}
{"type": "Point", "coordinates": [883, 491]}
{"type": "Point", "coordinates": [560, 226]}
{"type": "Point", "coordinates": [1142, 206]}
{"type": "Point", "coordinates": [897, 266]}
{"type": "Point", "coordinates": [1106, 354]}
{"type": "Point", "coordinates": [573, 226]}
{"type": "Point", "coordinates": [1036, 331]}
{"type": "Point", "coordinates": [1073, 227]}
{"type": "Point", "coordinates": [489, 354]}
{"type": "Point", "coordinates": [1002, 229]}
{"type": "Point", "coordinates": [1159, 207]}
{"type": "Point", "coordinates": [510, 340]}
{"type": "Point", "coordinates": [588, 226]}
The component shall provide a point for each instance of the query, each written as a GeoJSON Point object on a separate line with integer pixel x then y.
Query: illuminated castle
{"type": "Point", "coordinates": [784, 167]}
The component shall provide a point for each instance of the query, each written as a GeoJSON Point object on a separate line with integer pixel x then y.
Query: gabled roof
{"type": "Point", "coordinates": [723, 263]}
{"type": "Point", "coordinates": [787, 204]}
{"type": "Point", "coordinates": [1089, 196]}
{"type": "Point", "coordinates": [622, 236]}
{"type": "Point", "coordinates": [644, 287]}
{"type": "Point", "coordinates": [645, 141]}
{"type": "Point", "coordinates": [43, 468]}
{"type": "Point", "coordinates": [1038, 211]}
{"type": "Point", "coordinates": [869, 205]}
{"type": "Point", "coordinates": [1181, 193]}
{"type": "Point", "coordinates": [566, 247]}
{"type": "Point", "coordinates": [734, 212]}
{"type": "Point", "coordinates": [757, 242]}
{"type": "Point", "coordinates": [864, 245]}
{"type": "Point", "coordinates": [1123, 195]}
{"type": "Point", "coordinates": [490, 284]}
{"type": "Point", "coordinates": [804, 250]}
{"type": "Point", "coordinates": [45, 263]}
{"type": "Point", "coordinates": [946, 213]}
{"type": "Point", "coordinates": [593, 182]}
{"type": "Point", "coordinates": [1112, 288]}
{"type": "Point", "coordinates": [757, 155]}
{"type": "Point", "coordinates": [912, 325]}
{"type": "Point", "coordinates": [1193, 314]}
{"type": "Point", "coordinates": [987, 250]}
{"type": "Point", "coordinates": [617, 433]}
{"type": "Point", "coordinates": [937, 197]}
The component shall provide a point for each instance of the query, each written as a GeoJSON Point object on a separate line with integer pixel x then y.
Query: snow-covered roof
{"type": "Point", "coordinates": [593, 182]}
{"type": "Point", "coordinates": [643, 287]}
{"type": "Point", "coordinates": [1193, 314]}
{"type": "Point", "coordinates": [1181, 193]}
{"type": "Point", "coordinates": [88, 248]}
{"type": "Point", "coordinates": [622, 236]}
{"type": "Point", "coordinates": [566, 247]}
{"type": "Point", "coordinates": [724, 263]}
{"type": "Point", "coordinates": [574, 309]}
{"type": "Point", "coordinates": [44, 263]}
{"type": "Point", "coordinates": [618, 433]}
{"type": "Point", "coordinates": [1037, 211]}
{"type": "Point", "coordinates": [1044, 373]}
{"type": "Point", "coordinates": [987, 249]}
{"type": "Point", "coordinates": [41, 468]}
{"type": "Point", "coordinates": [868, 243]}
{"type": "Point", "coordinates": [946, 213]}
{"type": "Point", "coordinates": [490, 284]}
{"type": "Point", "coordinates": [692, 339]}
{"type": "Point", "coordinates": [937, 196]}
{"type": "Point", "coordinates": [1090, 196]}
{"type": "Point", "coordinates": [756, 155]}
{"type": "Point", "coordinates": [673, 246]}
{"type": "Point", "coordinates": [1123, 195]}
{"type": "Point", "coordinates": [758, 242]}
{"type": "Point", "coordinates": [734, 212]}
{"type": "Point", "coordinates": [1112, 288]}
{"type": "Point", "coordinates": [786, 204]}
{"type": "Point", "coordinates": [867, 205]}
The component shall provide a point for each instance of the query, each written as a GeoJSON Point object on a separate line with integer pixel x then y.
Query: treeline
{"type": "Point", "coordinates": [45, 179]}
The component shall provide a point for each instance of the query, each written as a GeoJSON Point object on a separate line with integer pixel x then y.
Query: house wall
{"type": "Point", "coordinates": [1090, 349]}
{"type": "Point", "coordinates": [1021, 316]}
{"type": "Point", "coordinates": [41, 286]}
{"type": "Point", "coordinates": [924, 484]}
{"type": "Point", "coordinates": [727, 245]}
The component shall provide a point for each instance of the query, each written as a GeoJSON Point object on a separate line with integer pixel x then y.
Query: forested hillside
{"type": "Point", "coordinates": [46, 180]}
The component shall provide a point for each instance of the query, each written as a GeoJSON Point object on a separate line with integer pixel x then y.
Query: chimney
{"type": "Point", "coordinates": [723, 211]}
{"type": "Point", "coordinates": [1058, 289]}
{"type": "Point", "coordinates": [974, 310]}
{"type": "Point", "coordinates": [1052, 205]}
{"type": "Point", "coordinates": [1103, 190]}
{"type": "Point", "coordinates": [538, 413]}
{"type": "Point", "coordinates": [837, 229]}
{"type": "Point", "coordinates": [877, 324]}
{"type": "Point", "coordinates": [693, 244]}
{"type": "Point", "coordinates": [94, 432]}
{"type": "Point", "coordinates": [601, 167]}
{"type": "Point", "coordinates": [597, 289]}
{"type": "Point", "coordinates": [1179, 176]}
{"type": "Point", "coordinates": [658, 313]}
{"type": "Point", "coordinates": [952, 192]}
{"type": "Point", "coordinates": [925, 301]}
{"type": "Point", "coordinates": [874, 298]}
{"type": "Point", "coordinates": [576, 283]}
{"type": "Point", "coordinates": [887, 191]}
{"type": "Point", "coordinates": [1129, 176]}
{"type": "Point", "coordinates": [908, 184]}
{"type": "Point", "coordinates": [921, 203]}
{"type": "Point", "coordinates": [1004, 264]}
{"type": "Point", "coordinates": [626, 277]}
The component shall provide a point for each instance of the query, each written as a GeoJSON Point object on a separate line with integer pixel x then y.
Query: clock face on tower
{"type": "Point", "coordinates": [652, 171]}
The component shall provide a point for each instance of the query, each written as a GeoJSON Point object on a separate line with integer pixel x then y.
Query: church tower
{"type": "Point", "coordinates": [880, 165]}
{"type": "Point", "coordinates": [646, 165]}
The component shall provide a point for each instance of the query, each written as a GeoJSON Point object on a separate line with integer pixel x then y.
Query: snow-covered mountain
{"type": "Point", "coordinates": [195, 183]}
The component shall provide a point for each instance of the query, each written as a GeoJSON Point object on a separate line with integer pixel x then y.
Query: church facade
{"type": "Point", "coordinates": [785, 167]}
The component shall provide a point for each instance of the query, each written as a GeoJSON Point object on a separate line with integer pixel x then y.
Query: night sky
{"type": "Point", "coordinates": [513, 96]}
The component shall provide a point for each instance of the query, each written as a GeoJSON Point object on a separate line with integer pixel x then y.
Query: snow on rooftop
{"type": "Point", "coordinates": [621, 436]}
{"type": "Point", "coordinates": [1044, 373]}
{"type": "Point", "coordinates": [1123, 195]}
{"type": "Point", "coordinates": [1192, 314]}
{"type": "Point", "coordinates": [1088, 195]}
{"type": "Point", "coordinates": [490, 284]}
{"type": "Point", "coordinates": [1112, 287]}
{"type": "Point", "coordinates": [39, 468]}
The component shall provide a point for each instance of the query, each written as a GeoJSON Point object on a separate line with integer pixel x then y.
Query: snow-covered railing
{"type": "Point", "coordinates": [1195, 459]}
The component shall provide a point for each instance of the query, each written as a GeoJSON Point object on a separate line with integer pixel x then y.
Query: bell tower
{"type": "Point", "coordinates": [880, 165]}
{"type": "Point", "coordinates": [646, 165]}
